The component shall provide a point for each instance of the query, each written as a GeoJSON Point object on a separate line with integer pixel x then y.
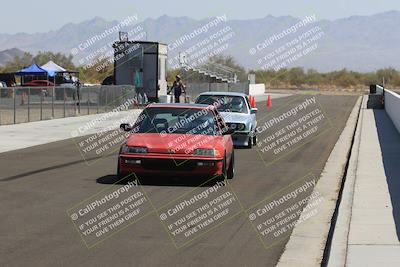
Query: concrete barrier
{"type": "Point", "coordinates": [308, 239]}
{"type": "Point", "coordinates": [392, 107]}
{"type": "Point", "coordinates": [375, 97]}
{"type": "Point", "coordinates": [379, 89]}
{"type": "Point", "coordinates": [257, 89]}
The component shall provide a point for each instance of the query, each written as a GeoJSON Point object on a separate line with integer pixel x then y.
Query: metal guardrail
{"type": "Point", "coordinates": [213, 70]}
{"type": "Point", "coordinates": [210, 69]}
{"type": "Point", "coordinates": [27, 104]}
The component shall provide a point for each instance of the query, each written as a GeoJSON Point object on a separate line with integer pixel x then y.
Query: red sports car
{"type": "Point", "coordinates": [39, 83]}
{"type": "Point", "coordinates": [179, 140]}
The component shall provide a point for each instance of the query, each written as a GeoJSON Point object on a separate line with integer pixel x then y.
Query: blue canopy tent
{"type": "Point", "coordinates": [33, 70]}
{"type": "Point", "coordinates": [50, 69]}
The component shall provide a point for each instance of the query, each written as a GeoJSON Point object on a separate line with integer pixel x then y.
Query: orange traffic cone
{"type": "Point", "coordinates": [252, 102]}
{"type": "Point", "coordinates": [269, 102]}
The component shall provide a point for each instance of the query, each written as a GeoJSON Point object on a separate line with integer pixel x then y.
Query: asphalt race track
{"type": "Point", "coordinates": [39, 184]}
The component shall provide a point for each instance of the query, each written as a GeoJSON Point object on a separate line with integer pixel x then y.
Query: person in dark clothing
{"type": "Point", "coordinates": [178, 88]}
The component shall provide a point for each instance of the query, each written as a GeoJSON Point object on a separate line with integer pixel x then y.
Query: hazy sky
{"type": "Point", "coordinates": [33, 16]}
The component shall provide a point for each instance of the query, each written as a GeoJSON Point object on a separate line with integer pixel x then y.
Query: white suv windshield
{"type": "Point", "coordinates": [225, 103]}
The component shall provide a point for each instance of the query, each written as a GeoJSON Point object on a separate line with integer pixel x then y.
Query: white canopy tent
{"type": "Point", "coordinates": [54, 70]}
{"type": "Point", "coordinates": [52, 67]}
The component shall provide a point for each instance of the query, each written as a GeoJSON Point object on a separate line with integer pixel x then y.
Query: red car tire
{"type": "Point", "coordinates": [231, 170]}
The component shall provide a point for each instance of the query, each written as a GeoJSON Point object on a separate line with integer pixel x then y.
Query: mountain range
{"type": "Point", "coordinates": [9, 54]}
{"type": "Point", "coordinates": [360, 43]}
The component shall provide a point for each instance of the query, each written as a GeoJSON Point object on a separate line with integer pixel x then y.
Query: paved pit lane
{"type": "Point", "coordinates": [168, 221]}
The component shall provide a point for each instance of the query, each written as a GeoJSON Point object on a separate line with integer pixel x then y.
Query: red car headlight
{"type": "Point", "coordinates": [206, 152]}
{"type": "Point", "coordinates": [133, 150]}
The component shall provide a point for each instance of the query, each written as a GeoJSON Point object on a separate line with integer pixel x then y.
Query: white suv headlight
{"type": "Point", "coordinates": [206, 152]}
{"type": "Point", "coordinates": [240, 126]}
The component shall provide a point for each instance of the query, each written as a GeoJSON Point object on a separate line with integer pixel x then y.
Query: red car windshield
{"type": "Point", "coordinates": [177, 121]}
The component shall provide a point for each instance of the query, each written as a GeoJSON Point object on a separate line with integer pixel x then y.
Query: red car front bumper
{"type": "Point", "coordinates": [166, 164]}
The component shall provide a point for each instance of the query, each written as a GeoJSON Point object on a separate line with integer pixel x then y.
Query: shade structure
{"type": "Point", "coordinates": [32, 70]}
{"type": "Point", "coordinates": [52, 68]}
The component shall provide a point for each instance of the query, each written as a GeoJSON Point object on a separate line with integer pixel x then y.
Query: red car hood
{"type": "Point", "coordinates": [175, 143]}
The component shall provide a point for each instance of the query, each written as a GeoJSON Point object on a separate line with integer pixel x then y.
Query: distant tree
{"type": "Point", "coordinates": [18, 63]}
{"type": "Point", "coordinates": [41, 58]}
{"type": "Point", "coordinates": [63, 60]}
{"type": "Point", "coordinates": [392, 77]}
{"type": "Point", "coordinates": [293, 77]}
{"type": "Point", "coordinates": [171, 74]}
{"type": "Point", "coordinates": [313, 77]}
{"type": "Point", "coordinates": [296, 76]}
{"type": "Point", "coordinates": [97, 71]}
{"type": "Point", "coordinates": [344, 78]}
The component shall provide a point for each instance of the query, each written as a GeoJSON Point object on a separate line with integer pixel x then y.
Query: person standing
{"type": "Point", "coordinates": [178, 88]}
